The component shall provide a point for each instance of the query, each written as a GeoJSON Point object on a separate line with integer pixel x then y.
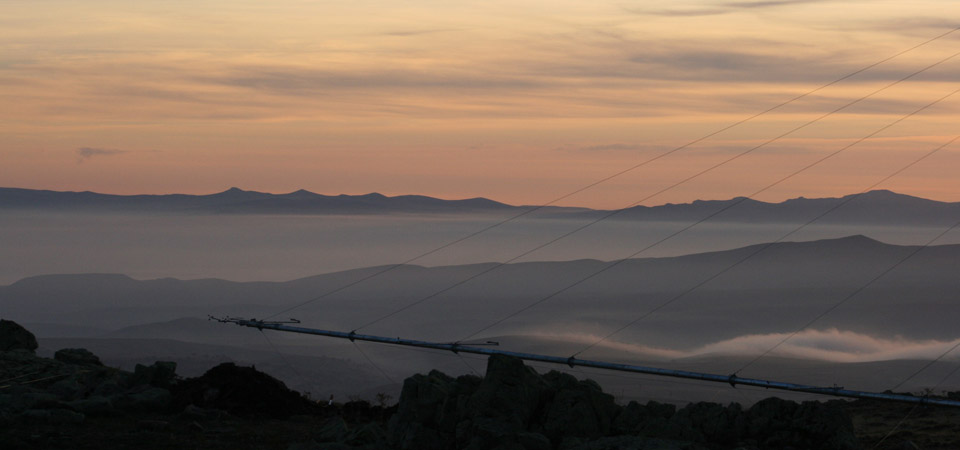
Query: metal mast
{"type": "Point", "coordinates": [732, 380]}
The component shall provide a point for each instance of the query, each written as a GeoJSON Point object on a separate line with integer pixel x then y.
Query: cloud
{"type": "Point", "coordinates": [613, 147]}
{"type": "Point", "coordinates": [915, 26]}
{"type": "Point", "coordinates": [279, 78]}
{"type": "Point", "coordinates": [713, 65]}
{"type": "Point", "coordinates": [85, 153]}
{"type": "Point", "coordinates": [302, 80]}
{"type": "Point", "coordinates": [609, 66]}
{"type": "Point", "coordinates": [695, 12]}
{"type": "Point", "coordinates": [405, 33]}
{"type": "Point", "coordinates": [768, 3]}
{"type": "Point", "coordinates": [608, 147]}
{"type": "Point", "coordinates": [723, 8]}
{"type": "Point", "coordinates": [826, 345]}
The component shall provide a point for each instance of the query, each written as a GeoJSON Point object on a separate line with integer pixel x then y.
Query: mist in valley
{"type": "Point", "coordinates": [713, 312]}
{"type": "Point", "coordinates": [286, 247]}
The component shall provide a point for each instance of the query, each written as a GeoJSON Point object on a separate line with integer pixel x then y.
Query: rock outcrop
{"type": "Point", "coordinates": [514, 407]}
{"type": "Point", "coordinates": [73, 385]}
{"type": "Point", "coordinates": [242, 391]}
{"type": "Point", "coordinates": [78, 356]}
{"type": "Point", "coordinates": [15, 337]}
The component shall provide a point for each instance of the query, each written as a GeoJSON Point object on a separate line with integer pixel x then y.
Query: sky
{"type": "Point", "coordinates": [519, 101]}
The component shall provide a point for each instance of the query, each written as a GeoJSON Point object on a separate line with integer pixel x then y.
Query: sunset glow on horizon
{"type": "Point", "coordinates": [520, 102]}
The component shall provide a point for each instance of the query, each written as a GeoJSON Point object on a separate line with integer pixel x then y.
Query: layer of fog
{"type": "Point", "coordinates": [716, 331]}
{"type": "Point", "coordinates": [831, 345]}
{"type": "Point", "coordinates": [278, 248]}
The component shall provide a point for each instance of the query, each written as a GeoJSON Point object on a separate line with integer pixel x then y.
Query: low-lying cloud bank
{"type": "Point", "coordinates": [825, 345]}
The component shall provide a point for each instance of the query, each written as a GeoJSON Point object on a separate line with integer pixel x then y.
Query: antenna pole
{"type": "Point", "coordinates": [733, 380]}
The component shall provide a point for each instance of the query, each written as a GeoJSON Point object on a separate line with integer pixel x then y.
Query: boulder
{"type": "Point", "coordinates": [778, 423]}
{"type": "Point", "coordinates": [160, 374]}
{"type": "Point", "coordinates": [147, 399]}
{"type": "Point", "coordinates": [430, 410]}
{"type": "Point", "coordinates": [577, 408]}
{"type": "Point", "coordinates": [369, 434]}
{"type": "Point", "coordinates": [417, 436]}
{"type": "Point", "coordinates": [510, 391]}
{"type": "Point", "coordinates": [108, 388]}
{"type": "Point", "coordinates": [333, 430]}
{"type": "Point", "coordinates": [707, 422]}
{"type": "Point", "coordinates": [504, 404]}
{"type": "Point", "coordinates": [242, 391]}
{"type": "Point", "coordinates": [15, 337]}
{"type": "Point", "coordinates": [51, 416]}
{"type": "Point", "coordinates": [486, 433]}
{"type": "Point", "coordinates": [632, 443]}
{"type": "Point", "coordinates": [68, 389]}
{"type": "Point", "coordinates": [28, 400]}
{"type": "Point", "coordinates": [77, 356]}
{"type": "Point", "coordinates": [534, 441]}
{"type": "Point", "coordinates": [198, 414]}
{"type": "Point", "coordinates": [645, 420]}
{"type": "Point", "coordinates": [424, 399]}
{"type": "Point", "coordinates": [512, 406]}
{"type": "Point", "coordinates": [360, 411]}
{"type": "Point", "coordinates": [94, 406]}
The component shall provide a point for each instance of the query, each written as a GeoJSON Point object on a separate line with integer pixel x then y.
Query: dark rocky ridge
{"type": "Point", "coordinates": [73, 401]}
{"type": "Point", "coordinates": [513, 407]}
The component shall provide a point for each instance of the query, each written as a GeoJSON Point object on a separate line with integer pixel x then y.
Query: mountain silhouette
{"type": "Point", "coordinates": [763, 289]}
{"type": "Point", "coordinates": [235, 200]}
{"type": "Point", "coordinates": [880, 207]}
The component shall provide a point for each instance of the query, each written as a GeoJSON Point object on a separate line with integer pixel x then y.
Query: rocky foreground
{"type": "Point", "coordinates": [74, 401]}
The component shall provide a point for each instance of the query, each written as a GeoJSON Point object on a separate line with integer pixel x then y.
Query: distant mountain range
{"type": "Point", "coordinates": [880, 207]}
{"type": "Point", "coordinates": [770, 292]}
{"type": "Point", "coordinates": [745, 300]}
{"type": "Point", "coordinates": [239, 201]}
{"type": "Point", "coordinates": [874, 207]}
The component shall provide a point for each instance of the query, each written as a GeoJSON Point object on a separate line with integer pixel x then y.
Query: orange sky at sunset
{"type": "Point", "coordinates": [515, 101]}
